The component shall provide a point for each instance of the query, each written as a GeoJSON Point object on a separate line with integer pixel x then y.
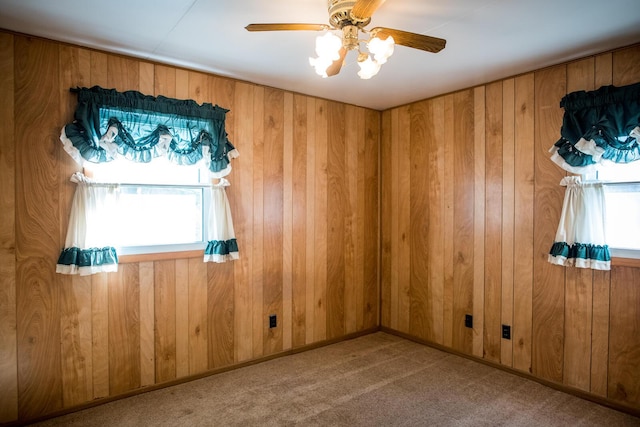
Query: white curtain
{"type": "Point", "coordinates": [86, 248]}
{"type": "Point", "coordinates": [222, 245]}
{"type": "Point", "coordinates": [580, 239]}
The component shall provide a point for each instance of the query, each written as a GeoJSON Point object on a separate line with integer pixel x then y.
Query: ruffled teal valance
{"type": "Point", "coordinates": [599, 125]}
{"type": "Point", "coordinates": [138, 127]}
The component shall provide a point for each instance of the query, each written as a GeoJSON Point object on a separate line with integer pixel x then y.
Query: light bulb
{"type": "Point", "coordinates": [328, 46]}
{"type": "Point", "coordinates": [368, 68]}
{"type": "Point", "coordinates": [381, 49]}
{"type": "Point", "coordinates": [320, 64]}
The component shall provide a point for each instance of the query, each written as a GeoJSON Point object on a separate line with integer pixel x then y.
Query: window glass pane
{"type": "Point", "coordinates": [623, 216]}
{"type": "Point", "coordinates": [150, 216]}
{"type": "Point", "coordinates": [159, 171]}
{"type": "Point", "coordinates": [619, 172]}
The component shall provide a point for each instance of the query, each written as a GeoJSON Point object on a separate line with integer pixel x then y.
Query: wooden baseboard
{"type": "Point", "coordinates": [557, 386]}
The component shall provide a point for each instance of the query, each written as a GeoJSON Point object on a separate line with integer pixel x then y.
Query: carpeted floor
{"type": "Point", "coordinates": [374, 380]}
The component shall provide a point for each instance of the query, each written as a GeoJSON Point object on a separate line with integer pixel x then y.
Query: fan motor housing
{"type": "Point", "coordinates": [340, 14]}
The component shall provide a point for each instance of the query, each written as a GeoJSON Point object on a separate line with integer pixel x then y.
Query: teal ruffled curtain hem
{"type": "Point", "coordinates": [87, 261]}
{"type": "Point", "coordinates": [599, 125]}
{"type": "Point", "coordinates": [580, 255]}
{"type": "Point", "coordinates": [108, 124]}
{"type": "Point", "coordinates": [221, 251]}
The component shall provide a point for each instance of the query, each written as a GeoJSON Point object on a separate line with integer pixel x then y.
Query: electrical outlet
{"type": "Point", "coordinates": [506, 332]}
{"type": "Point", "coordinates": [273, 321]}
{"type": "Point", "coordinates": [468, 321]}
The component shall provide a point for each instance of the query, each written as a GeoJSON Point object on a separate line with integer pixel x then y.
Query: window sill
{"type": "Point", "coordinates": [625, 262]}
{"type": "Point", "coordinates": [161, 256]}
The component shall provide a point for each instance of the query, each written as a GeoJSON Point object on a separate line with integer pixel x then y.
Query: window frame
{"type": "Point", "coordinates": [165, 251]}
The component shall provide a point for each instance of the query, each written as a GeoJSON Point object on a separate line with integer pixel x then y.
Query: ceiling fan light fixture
{"type": "Point", "coordinates": [328, 46]}
{"type": "Point", "coordinates": [381, 49]}
{"type": "Point", "coordinates": [320, 64]}
{"type": "Point", "coordinates": [368, 68]}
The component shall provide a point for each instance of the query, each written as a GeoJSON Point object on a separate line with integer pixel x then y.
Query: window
{"type": "Point", "coordinates": [161, 206]}
{"type": "Point", "coordinates": [622, 197]}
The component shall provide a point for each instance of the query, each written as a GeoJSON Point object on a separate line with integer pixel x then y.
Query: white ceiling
{"type": "Point", "coordinates": [486, 39]}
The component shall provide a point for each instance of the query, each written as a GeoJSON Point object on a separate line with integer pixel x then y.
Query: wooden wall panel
{"type": "Point", "coordinates": [37, 220]}
{"type": "Point", "coordinates": [524, 224]}
{"type": "Point", "coordinates": [299, 218]}
{"type": "Point", "coordinates": [548, 285]}
{"type": "Point", "coordinates": [369, 214]}
{"type": "Point", "coordinates": [124, 329]}
{"type": "Point", "coordinates": [488, 222]}
{"type": "Point", "coordinates": [624, 344]}
{"type": "Point", "coordinates": [493, 222]}
{"type": "Point", "coordinates": [336, 213]}
{"type": "Point", "coordinates": [8, 344]}
{"type": "Point", "coordinates": [273, 216]}
{"type": "Point", "coordinates": [421, 322]}
{"type": "Point", "coordinates": [75, 321]}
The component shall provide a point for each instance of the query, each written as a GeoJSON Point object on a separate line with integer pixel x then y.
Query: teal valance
{"type": "Point", "coordinates": [599, 125]}
{"type": "Point", "coordinates": [139, 127]}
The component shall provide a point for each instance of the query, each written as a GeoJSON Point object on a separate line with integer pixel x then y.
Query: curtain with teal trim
{"type": "Point", "coordinates": [109, 124]}
{"type": "Point", "coordinates": [222, 245]}
{"type": "Point", "coordinates": [598, 126]}
{"type": "Point", "coordinates": [580, 238]}
{"type": "Point", "coordinates": [87, 249]}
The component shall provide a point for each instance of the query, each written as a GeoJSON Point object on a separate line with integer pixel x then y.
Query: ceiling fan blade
{"type": "Point", "coordinates": [364, 9]}
{"type": "Point", "coordinates": [405, 38]}
{"type": "Point", "coordinates": [335, 67]}
{"type": "Point", "coordinates": [287, 27]}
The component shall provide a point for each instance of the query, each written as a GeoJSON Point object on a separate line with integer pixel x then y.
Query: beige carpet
{"type": "Point", "coordinates": [375, 380]}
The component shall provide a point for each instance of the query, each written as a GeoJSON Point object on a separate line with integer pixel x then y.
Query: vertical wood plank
{"type": "Point", "coordinates": [165, 319]}
{"type": "Point", "coordinates": [371, 289]}
{"type": "Point", "coordinates": [421, 321]}
{"type": "Point", "coordinates": [273, 214]}
{"type": "Point", "coordinates": [242, 221]}
{"type": "Point", "coordinates": [36, 227]}
{"type": "Point", "coordinates": [394, 218]}
{"type": "Point", "coordinates": [354, 116]}
{"type": "Point", "coordinates": [124, 329]}
{"type": "Point", "coordinates": [182, 317]}
{"type": "Point", "coordinates": [75, 325]}
{"type": "Point", "coordinates": [287, 223]}
{"type": "Point", "coordinates": [625, 66]}
{"type": "Point", "coordinates": [299, 219]}
{"type": "Point", "coordinates": [403, 211]}
{"type": "Point", "coordinates": [220, 314]}
{"type": "Point", "coordinates": [438, 222]}
{"type": "Point", "coordinates": [8, 343]}
{"type": "Point", "coordinates": [386, 211]}
{"type": "Point", "coordinates": [310, 265]}
{"type": "Point", "coordinates": [449, 223]}
{"type": "Point", "coordinates": [624, 343]}
{"type": "Point", "coordinates": [360, 228]}
{"type": "Point", "coordinates": [258, 222]}
{"type": "Point", "coordinates": [100, 329]}
{"type": "Point", "coordinates": [578, 282]}
{"type": "Point", "coordinates": [320, 291]}
{"type": "Point", "coordinates": [336, 201]}
{"type": "Point", "coordinates": [523, 229]}
{"type": "Point", "coordinates": [493, 222]}
{"type": "Point", "coordinates": [463, 219]}
{"type": "Point", "coordinates": [122, 73]}
{"type": "Point", "coordinates": [198, 326]}
{"type": "Point", "coordinates": [147, 345]}
{"type": "Point", "coordinates": [479, 144]}
{"type": "Point", "coordinates": [146, 83]}
{"type": "Point", "coordinates": [508, 219]}
{"type": "Point", "coordinates": [548, 285]}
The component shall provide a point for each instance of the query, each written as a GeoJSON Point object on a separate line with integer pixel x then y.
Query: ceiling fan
{"type": "Point", "coordinates": [351, 17]}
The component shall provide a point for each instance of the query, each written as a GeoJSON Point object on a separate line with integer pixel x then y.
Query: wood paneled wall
{"type": "Point", "coordinates": [470, 206]}
{"type": "Point", "coordinates": [304, 197]}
